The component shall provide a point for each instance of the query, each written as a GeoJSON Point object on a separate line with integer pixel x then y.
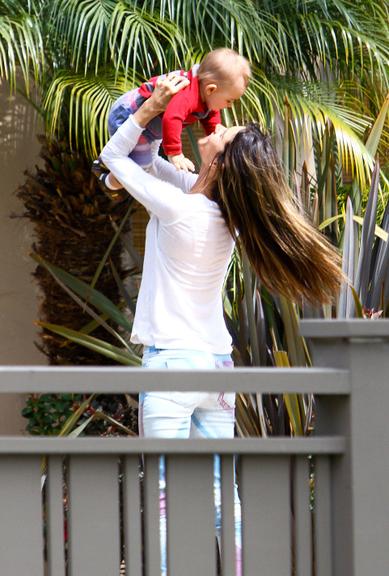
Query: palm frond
{"type": "Point", "coordinates": [353, 45]}
{"type": "Point", "coordinates": [324, 106]}
{"type": "Point", "coordinates": [97, 33]}
{"type": "Point", "coordinates": [141, 41]}
{"type": "Point", "coordinates": [239, 24]}
{"type": "Point", "coordinates": [351, 37]}
{"type": "Point", "coordinates": [87, 101]}
{"type": "Point", "coordinates": [82, 30]}
{"type": "Point", "coordinates": [21, 47]}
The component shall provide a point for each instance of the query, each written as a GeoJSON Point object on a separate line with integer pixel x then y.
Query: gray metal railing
{"type": "Point", "coordinates": [100, 505]}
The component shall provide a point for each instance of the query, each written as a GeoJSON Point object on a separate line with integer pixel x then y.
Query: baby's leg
{"type": "Point", "coordinates": [121, 109]}
{"type": "Point", "coordinates": [142, 153]}
{"type": "Point", "coordinates": [127, 105]}
{"type": "Point", "coordinates": [124, 107]}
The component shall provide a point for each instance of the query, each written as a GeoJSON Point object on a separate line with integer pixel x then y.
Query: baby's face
{"type": "Point", "coordinates": [224, 96]}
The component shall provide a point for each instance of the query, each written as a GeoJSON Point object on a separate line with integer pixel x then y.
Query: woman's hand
{"type": "Point", "coordinates": [160, 98]}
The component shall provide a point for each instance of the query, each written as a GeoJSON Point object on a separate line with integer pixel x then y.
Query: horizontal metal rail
{"type": "Point", "coordinates": [356, 329]}
{"type": "Point", "coordinates": [11, 445]}
{"type": "Point", "coordinates": [116, 380]}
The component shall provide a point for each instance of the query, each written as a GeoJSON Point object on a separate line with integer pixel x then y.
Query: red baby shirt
{"type": "Point", "coordinates": [185, 107]}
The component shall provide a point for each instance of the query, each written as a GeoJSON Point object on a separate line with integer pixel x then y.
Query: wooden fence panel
{"type": "Point", "coordinates": [323, 545]}
{"type": "Point", "coordinates": [55, 536]}
{"type": "Point", "coordinates": [152, 516]}
{"type": "Point", "coordinates": [228, 552]}
{"type": "Point", "coordinates": [132, 523]}
{"type": "Point", "coordinates": [303, 517]}
{"type": "Point", "coordinates": [21, 526]}
{"type": "Point", "coordinates": [94, 538]}
{"type": "Point", "coordinates": [191, 515]}
{"type": "Point", "coordinates": [266, 519]}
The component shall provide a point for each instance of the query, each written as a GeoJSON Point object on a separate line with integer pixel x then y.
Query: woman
{"type": "Point", "coordinates": [239, 195]}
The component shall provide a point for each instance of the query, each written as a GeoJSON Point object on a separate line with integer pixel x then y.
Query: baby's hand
{"type": "Point", "coordinates": [182, 163]}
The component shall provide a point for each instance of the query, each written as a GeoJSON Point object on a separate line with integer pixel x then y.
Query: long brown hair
{"type": "Point", "coordinates": [289, 255]}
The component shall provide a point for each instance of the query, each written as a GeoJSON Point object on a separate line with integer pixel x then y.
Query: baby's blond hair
{"type": "Point", "coordinates": [223, 65]}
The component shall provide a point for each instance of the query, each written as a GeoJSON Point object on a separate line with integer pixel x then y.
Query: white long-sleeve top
{"type": "Point", "coordinates": [187, 252]}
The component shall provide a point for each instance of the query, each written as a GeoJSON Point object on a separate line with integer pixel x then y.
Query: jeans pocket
{"type": "Point", "coordinates": [227, 400]}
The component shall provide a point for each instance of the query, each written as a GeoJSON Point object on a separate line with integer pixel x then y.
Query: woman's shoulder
{"type": "Point", "coordinates": [199, 210]}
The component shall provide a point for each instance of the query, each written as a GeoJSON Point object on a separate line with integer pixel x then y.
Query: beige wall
{"type": "Point", "coordinates": [18, 293]}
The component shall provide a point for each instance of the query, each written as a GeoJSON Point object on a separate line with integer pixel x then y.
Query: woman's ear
{"type": "Point", "coordinates": [216, 161]}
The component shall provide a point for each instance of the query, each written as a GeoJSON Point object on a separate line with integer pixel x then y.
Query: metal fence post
{"type": "Point", "coordinates": [360, 480]}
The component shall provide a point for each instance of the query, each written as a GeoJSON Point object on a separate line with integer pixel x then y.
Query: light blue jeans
{"type": "Point", "coordinates": [189, 415]}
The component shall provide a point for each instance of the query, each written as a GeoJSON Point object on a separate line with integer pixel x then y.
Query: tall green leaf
{"type": "Point", "coordinates": [349, 259]}
{"type": "Point", "coordinates": [362, 276]}
{"type": "Point", "coordinates": [120, 355]}
{"type": "Point", "coordinates": [102, 303]}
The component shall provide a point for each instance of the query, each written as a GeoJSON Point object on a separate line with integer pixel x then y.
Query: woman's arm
{"type": "Point", "coordinates": [164, 90]}
{"type": "Point", "coordinates": [164, 170]}
{"type": "Point", "coordinates": [159, 197]}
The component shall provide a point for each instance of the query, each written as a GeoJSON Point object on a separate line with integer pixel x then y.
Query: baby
{"type": "Point", "coordinates": [219, 80]}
